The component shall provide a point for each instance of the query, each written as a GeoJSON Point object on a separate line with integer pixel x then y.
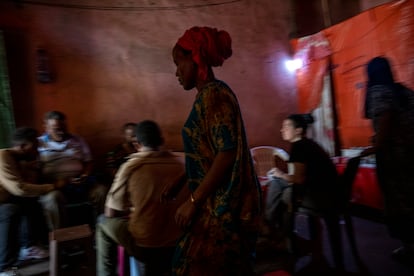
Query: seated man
{"type": "Point", "coordinates": [117, 156]}
{"type": "Point", "coordinates": [20, 211]}
{"type": "Point", "coordinates": [135, 217]}
{"type": "Point", "coordinates": [66, 158]}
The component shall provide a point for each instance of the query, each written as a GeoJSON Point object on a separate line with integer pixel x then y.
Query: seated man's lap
{"type": "Point", "coordinates": [117, 230]}
{"type": "Point", "coordinates": [158, 258]}
{"type": "Point", "coordinates": [56, 204]}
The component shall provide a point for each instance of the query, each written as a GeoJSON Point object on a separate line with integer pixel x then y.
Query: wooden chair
{"type": "Point", "coordinates": [346, 179]}
{"type": "Point", "coordinates": [67, 238]}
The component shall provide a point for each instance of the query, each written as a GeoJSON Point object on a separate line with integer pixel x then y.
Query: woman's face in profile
{"type": "Point", "coordinates": [289, 132]}
{"type": "Point", "coordinates": [186, 69]}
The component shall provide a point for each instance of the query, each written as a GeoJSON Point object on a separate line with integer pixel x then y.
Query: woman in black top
{"type": "Point", "coordinates": [310, 167]}
{"type": "Point", "coordinates": [313, 177]}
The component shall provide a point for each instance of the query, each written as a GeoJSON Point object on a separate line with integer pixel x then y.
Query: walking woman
{"type": "Point", "coordinates": [221, 216]}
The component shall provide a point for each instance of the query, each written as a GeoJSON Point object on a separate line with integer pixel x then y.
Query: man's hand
{"type": "Point", "coordinates": [275, 172]}
{"type": "Point", "coordinates": [60, 183]}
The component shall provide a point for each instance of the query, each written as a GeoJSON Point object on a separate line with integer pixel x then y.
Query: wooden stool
{"type": "Point", "coordinates": [67, 238]}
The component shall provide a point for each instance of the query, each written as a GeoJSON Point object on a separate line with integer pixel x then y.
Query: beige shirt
{"type": "Point", "coordinates": [138, 185]}
{"type": "Point", "coordinates": [12, 180]}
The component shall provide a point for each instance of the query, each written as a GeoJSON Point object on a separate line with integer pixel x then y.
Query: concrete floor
{"type": "Point", "coordinates": [374, 245]}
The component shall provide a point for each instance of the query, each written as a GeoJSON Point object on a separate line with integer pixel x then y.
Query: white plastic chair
{"type": "Point", "coordinates": [264, 158]}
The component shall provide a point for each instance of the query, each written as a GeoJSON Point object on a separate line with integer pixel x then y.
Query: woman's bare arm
{"type": "Point", "coordinates": [219, 171]}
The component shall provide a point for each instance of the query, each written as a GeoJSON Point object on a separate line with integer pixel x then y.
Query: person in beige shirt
{"type": "Point", "coordinates": [66, 157]}
{"type": "Point", "coordinates": [136, 217]}
{"type": "Point", "coordinates": [19, 201]}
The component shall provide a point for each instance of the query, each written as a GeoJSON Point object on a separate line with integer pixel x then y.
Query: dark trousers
{"type": "Point", "coordinates": [9, 243]}
{"type": "Point", "coordinates": [21, 225]}
{"type": "Point", "coordinates": [111, 232]}
{"type": "Point", "coordinates": [277, 201]}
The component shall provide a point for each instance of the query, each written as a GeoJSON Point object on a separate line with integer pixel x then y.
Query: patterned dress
{"type": "Point", "coordinates": [221, 237]}
{"type": "Point", "coordinates": [395, 164]}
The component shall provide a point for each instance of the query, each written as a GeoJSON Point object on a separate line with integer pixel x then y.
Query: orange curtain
{"type": "Point", "coordinates": [313, 51]}
{"type": "Point", "coordinates": [386, 30]}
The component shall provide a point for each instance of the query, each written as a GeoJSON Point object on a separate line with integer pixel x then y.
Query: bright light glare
{"type": "Point", "coordinates": [293, 64]}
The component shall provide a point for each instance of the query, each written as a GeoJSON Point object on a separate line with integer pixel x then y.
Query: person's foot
{"type": "Point", "coordinates": [33, 253]}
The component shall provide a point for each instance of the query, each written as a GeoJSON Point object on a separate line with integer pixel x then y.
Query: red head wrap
{"type": "Point", "coordinates": [208, 47]}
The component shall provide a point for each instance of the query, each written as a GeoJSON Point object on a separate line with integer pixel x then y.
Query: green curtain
{"type": "Point", "coordinates": [7, 124]}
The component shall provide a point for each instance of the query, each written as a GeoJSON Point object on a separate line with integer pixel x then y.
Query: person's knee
{"type": "Point", "coordinates": [276, 186]}
{"type": "Point", "coordinates": [104, 224]}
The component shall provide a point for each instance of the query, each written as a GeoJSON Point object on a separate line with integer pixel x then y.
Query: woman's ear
{"type": "Point", "coordinates": [299, 131]}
